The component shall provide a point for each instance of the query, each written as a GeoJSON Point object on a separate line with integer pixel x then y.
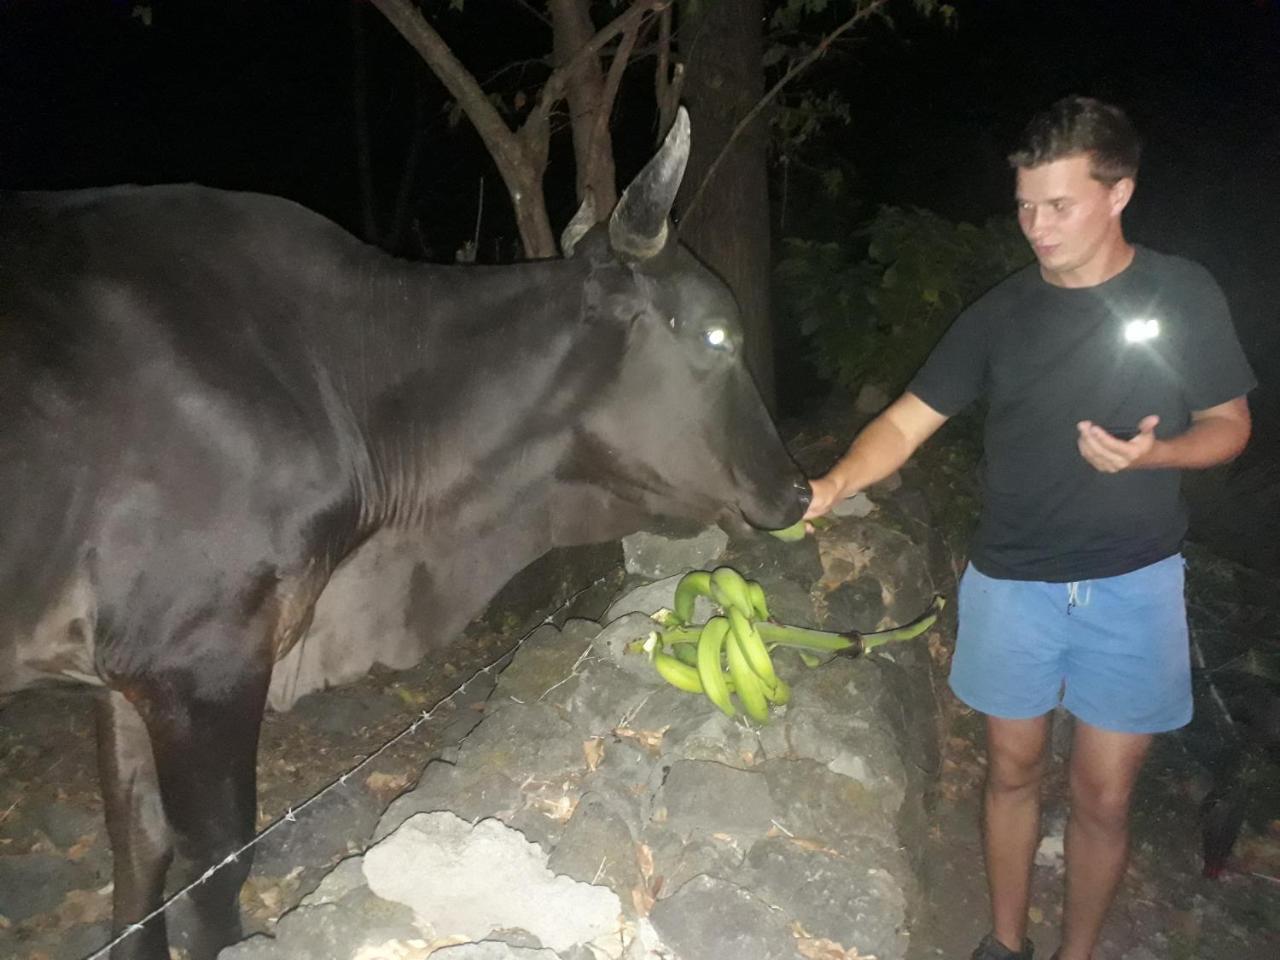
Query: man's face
{"type": "Point", "coordinates": [1071, 220]}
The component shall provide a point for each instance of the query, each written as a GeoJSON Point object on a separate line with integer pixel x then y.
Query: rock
{"type": "Point", "coordinates": [472, 792]}
{"type": "Point", "coordinates": [891, 557]}
{"type": "Point", "coordinates": [492, 950]}
{"type": "Point", "coordinates": [838, 812]}
{"type": "Point", "coordinates": [788, 601]}
{"type": "Point", "coordinates": [703, 798]}
{"type": "Point", "coordinates": [597, 847]}
{"type": "Point", "coordinates": [615, 642]}
{"type": "Point", "coordinates": [472, 880]}
{"type": "Point", "coordinates": [849, 899]}
{"type": "Point", "coordinates": [527, 737]}
{"type": "Point", "coordinates": [859, 505]}
{"type": "Point", "coordinates": [607, 695]}
{"type": "Point", "coordinates": [677, 863]}
{"type": "Point", "coordinates": [345, 877]}
{"type": "Point", "coordinates": [321, 830]}
{"type": "Point", "coordinates": [353, 926]}
{"type": "Point", "coordinates": [650, 597]}
{"type": "Point", "coordinates": [699, 731]}
{"type": "Point", "coordinates": [545, 660]}
{"type": "Point", "coordinates": [857, 604]}
{"type": "Point", "coordinates": [654, 556]}
{"type": "Point", "coordinates": [849, 747]}
{"type": "Point", "coordinates": [713, 919]}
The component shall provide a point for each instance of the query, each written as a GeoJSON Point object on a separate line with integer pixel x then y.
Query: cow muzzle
{"type": "Point", "coordinates": [784, 510]}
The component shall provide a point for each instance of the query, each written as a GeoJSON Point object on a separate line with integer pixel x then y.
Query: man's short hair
{"type": "Point", "coordinates": [1076, 125]}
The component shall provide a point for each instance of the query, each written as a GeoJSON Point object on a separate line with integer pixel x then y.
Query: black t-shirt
{"type": "Point", "coordinates": [1047, 357]}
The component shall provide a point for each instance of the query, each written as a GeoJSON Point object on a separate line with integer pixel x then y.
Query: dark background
{"type": "Point", "coordinates": [258, 95]}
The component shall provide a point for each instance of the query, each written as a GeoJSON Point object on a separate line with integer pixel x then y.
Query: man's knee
{"type": "Point", "coordinates": [1015, 754]}
{"type": "Point", "coordinates": [1011, 774]}
{"type": "Point", "coordinates": [1104, 806]}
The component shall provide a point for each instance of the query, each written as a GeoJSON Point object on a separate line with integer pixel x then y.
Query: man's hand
{"type": "Point", "coordinates": [1109, 454]}
{"type": "Point", "coordinates": [826, 491]}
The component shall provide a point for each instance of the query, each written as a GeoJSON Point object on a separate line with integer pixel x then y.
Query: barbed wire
{"type": "Point", "coordinates": [291, 813]}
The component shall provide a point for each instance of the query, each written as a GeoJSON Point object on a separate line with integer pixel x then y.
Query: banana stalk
{"type": "Point", "coordinates": [852, 643]}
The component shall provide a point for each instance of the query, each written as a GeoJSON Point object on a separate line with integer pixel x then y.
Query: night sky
{"type": "Point", "coordinates": [257, 94]}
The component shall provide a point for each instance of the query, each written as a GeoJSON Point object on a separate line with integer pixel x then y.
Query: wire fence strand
{"type": "Point", "coordinates": [291, 813]}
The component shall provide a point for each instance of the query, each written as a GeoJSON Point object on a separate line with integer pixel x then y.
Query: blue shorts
{"type": "Point", "coordinates": [1114, 651]}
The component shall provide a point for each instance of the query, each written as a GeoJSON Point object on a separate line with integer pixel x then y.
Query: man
{"type": "Point", "coordinates": [1107, 369]}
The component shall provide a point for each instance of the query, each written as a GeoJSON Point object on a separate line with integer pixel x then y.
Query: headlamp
{"type": "Point", "coordinates": [1141, 330]}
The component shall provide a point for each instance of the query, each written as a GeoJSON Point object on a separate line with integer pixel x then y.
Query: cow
{"type": "Point", "coordinates": [208, 399]}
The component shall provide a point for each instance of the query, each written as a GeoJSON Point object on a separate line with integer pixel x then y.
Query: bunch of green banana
{"type": "Point", "coordinates": [730, 653]}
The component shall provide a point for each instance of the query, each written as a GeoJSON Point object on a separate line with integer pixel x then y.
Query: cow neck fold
{"type": "Point", "coordinates": [450, 386]}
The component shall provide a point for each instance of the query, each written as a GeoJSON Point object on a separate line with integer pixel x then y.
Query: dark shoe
{"type": "Point", "coordinates": [989, 948]}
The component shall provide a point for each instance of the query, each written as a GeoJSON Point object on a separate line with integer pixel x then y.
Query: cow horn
{"type": "Point", "coordinates": [582, 221]}
{"type": "Point", "coordinates": [638, 226]}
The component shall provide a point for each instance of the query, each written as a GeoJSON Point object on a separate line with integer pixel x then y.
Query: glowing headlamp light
{"type": "Point", "coordinates": [1140, 331]}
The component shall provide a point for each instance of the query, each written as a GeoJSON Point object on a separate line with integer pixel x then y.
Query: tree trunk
{"type": "Point", "coordinates": [723, 47]}
{"type": "Point", "coordinates": [585, 91]}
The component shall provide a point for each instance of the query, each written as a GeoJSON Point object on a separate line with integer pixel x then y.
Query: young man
{"type": "Point", "coordinates": [1107, 368]}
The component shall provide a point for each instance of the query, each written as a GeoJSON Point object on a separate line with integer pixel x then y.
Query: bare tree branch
{"type": "Point", "coordinates": [803, 63]}
{"type": "Point", "coordinates": [553, 89]}
{"type": "Point", "coordinates": [621, 57]}
{"type": "Point", "coordinates": [457, 79]}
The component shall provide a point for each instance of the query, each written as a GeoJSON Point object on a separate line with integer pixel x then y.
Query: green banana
{"type": "Point", "coordinates": [792, 533]}
{"type": "Point", "coordinates": [729, 589]}
{"type": "Point", "coordinates": [674, 636]}
{"type": "Point", "coordinates": [753, 648]}
{"type": "Point", "coordinates": [759, 605]}
{"type": "Point", "coordinates": [679, 675]}
{"type": "Point", "coordinates": [780, 694]}
{"type": "Point", "coordinates": [694, 584]}
{"type": "Point", "coordinates": [686, 653]}
{"type": "Point", "coordinates": [749, 687]}
{"type": "Point", "coordinates": [709, 670]}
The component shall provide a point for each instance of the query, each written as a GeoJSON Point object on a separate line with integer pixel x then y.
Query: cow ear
{"type": "Point", "coordinates": [638, 226]}
{"type": "Point", "coordinates": [582, 221]}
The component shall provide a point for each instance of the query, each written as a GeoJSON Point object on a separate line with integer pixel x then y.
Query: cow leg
{"type": "Point", "coordinates": [141, 844]}
{"type": "Point", "coordinates": [205, 753]}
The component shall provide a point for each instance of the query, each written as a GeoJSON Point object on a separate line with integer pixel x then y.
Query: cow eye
{"type": "Point", "coordinates": [717, 337]}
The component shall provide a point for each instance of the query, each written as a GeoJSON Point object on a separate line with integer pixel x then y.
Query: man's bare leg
{"type": "Point", "coordinates": [1011, 820]}
{"type": "Point", "coordinates": [1104, 768]}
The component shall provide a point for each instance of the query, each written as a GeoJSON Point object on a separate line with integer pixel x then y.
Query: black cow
{"type": "Point", "coordinates": [209, 399]}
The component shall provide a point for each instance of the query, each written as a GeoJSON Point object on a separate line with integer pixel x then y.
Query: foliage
{"type": "Point", "coordinates": [874, 307]}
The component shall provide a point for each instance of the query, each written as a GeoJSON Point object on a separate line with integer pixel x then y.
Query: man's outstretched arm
{"type": "Point", "coordinates": [881, 448]}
